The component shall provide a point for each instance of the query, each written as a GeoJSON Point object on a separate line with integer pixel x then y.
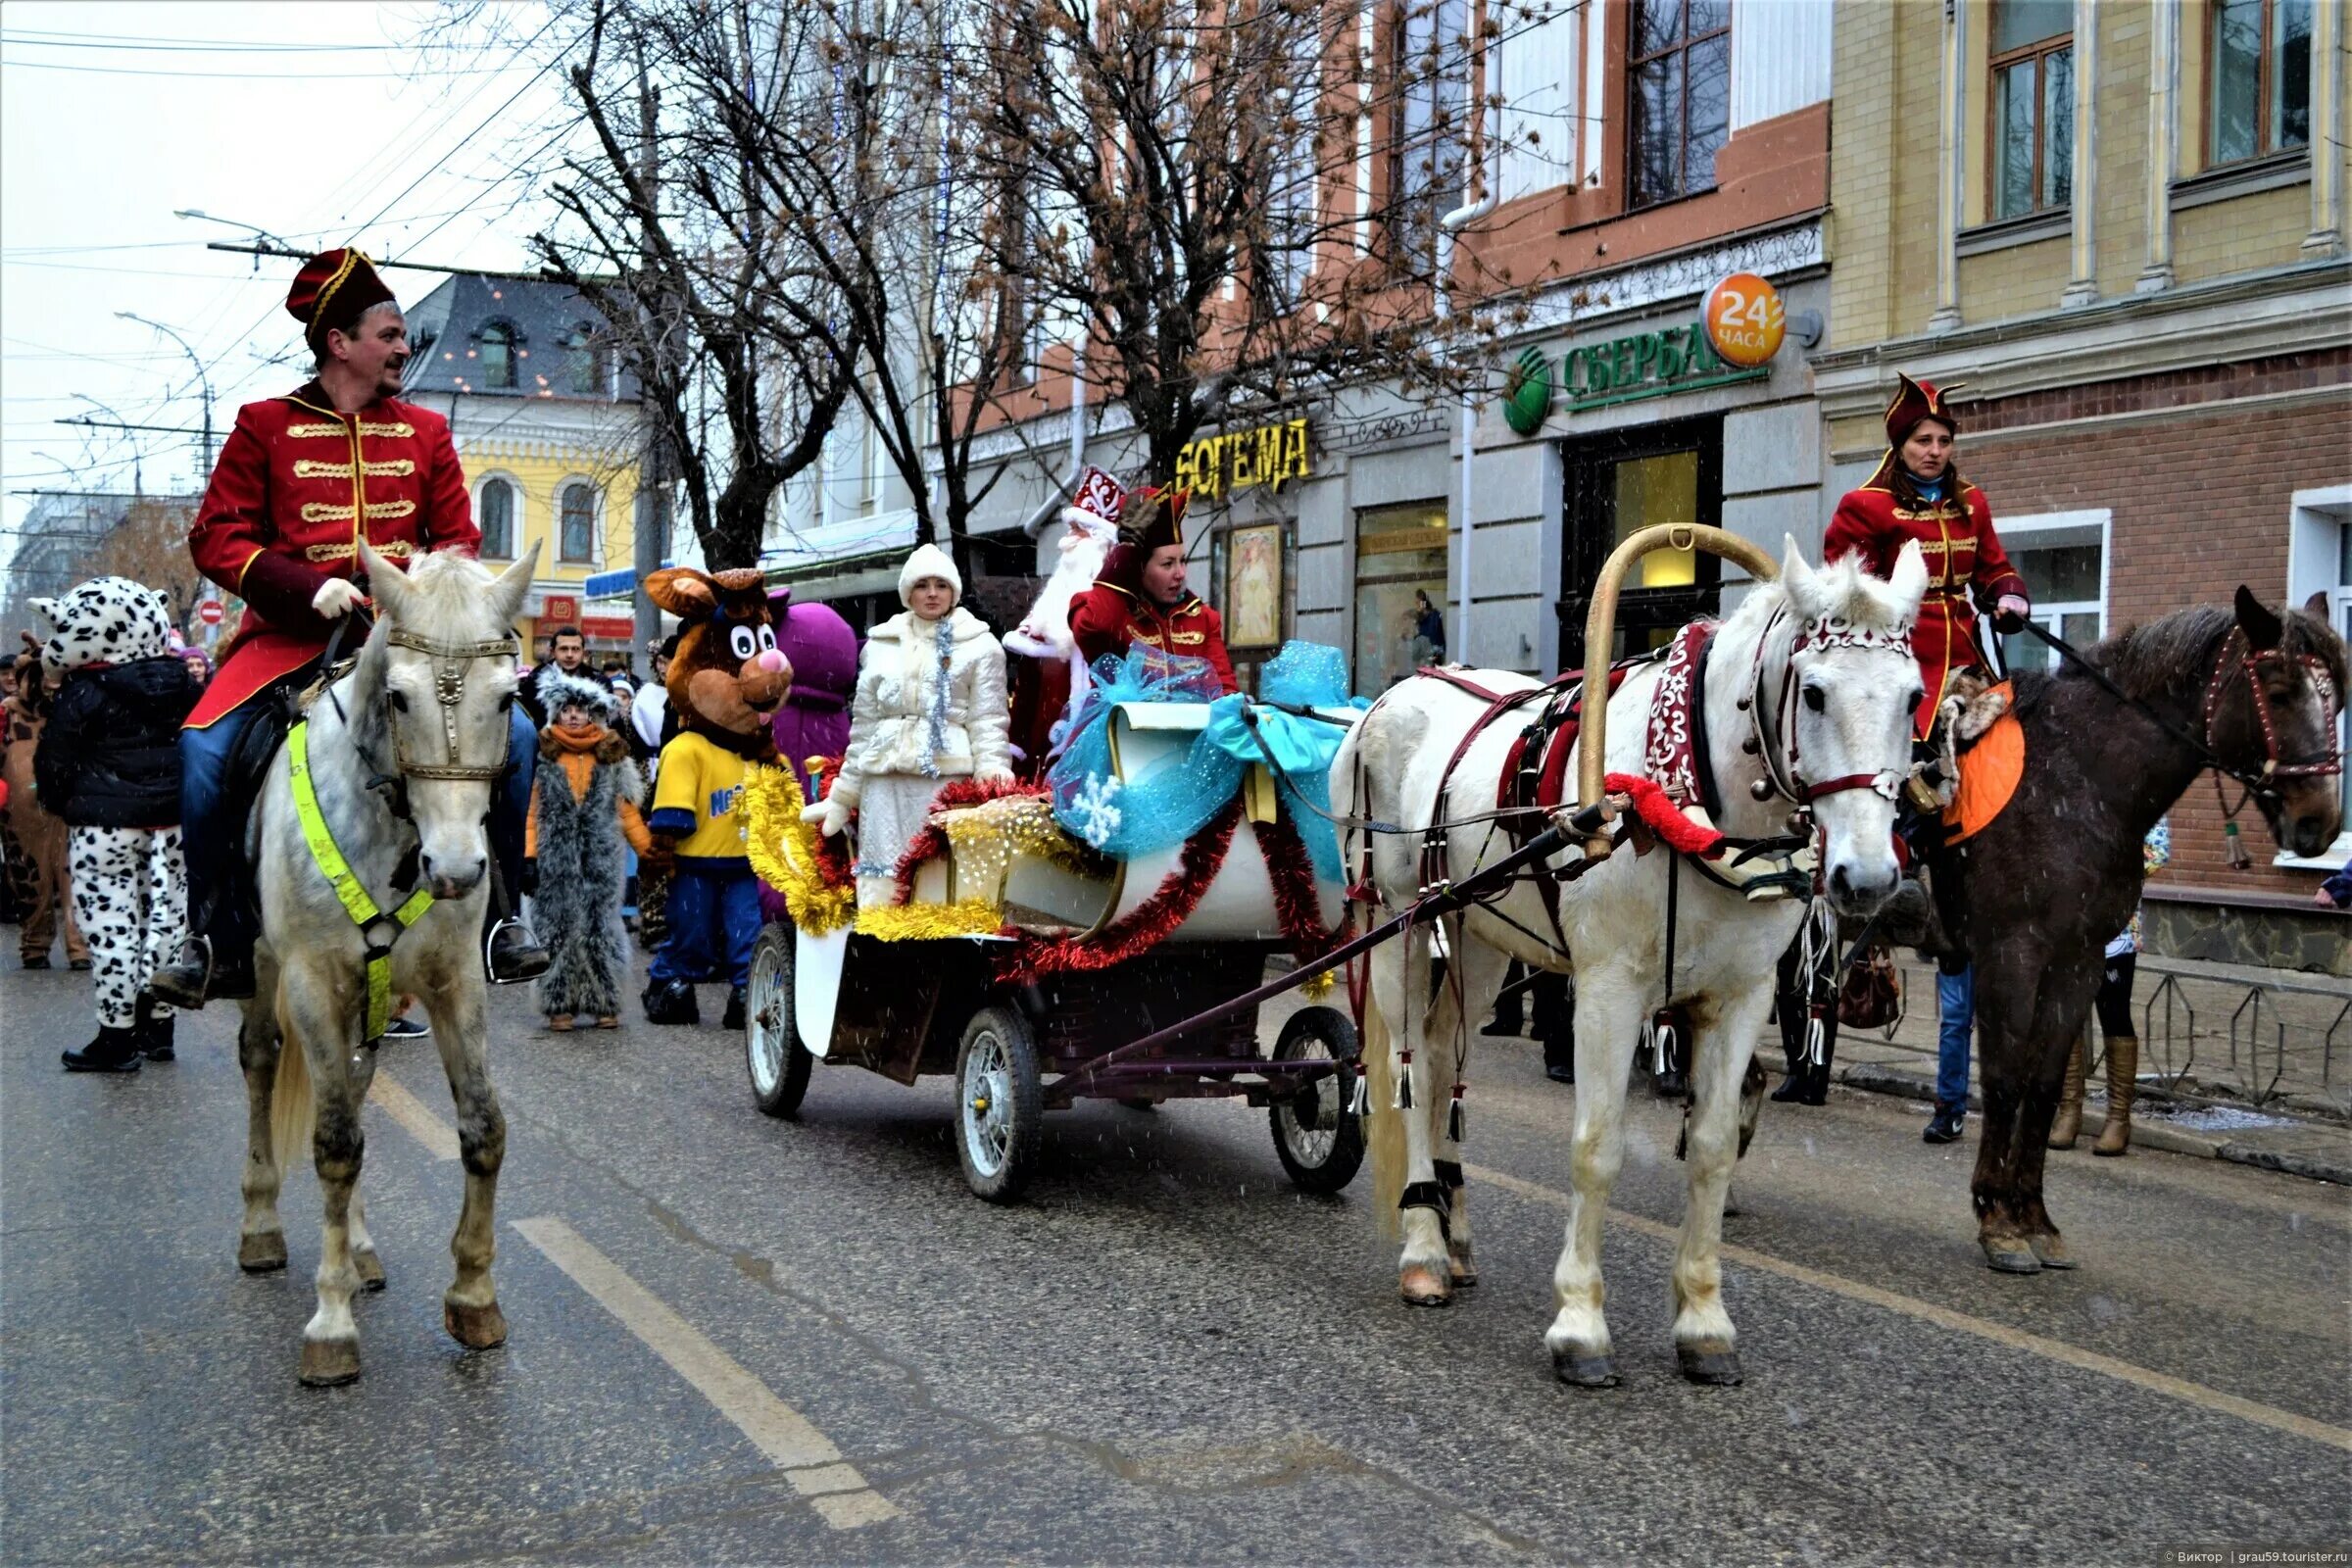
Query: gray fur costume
{"type": "Point", "coordinates": [583, 865]}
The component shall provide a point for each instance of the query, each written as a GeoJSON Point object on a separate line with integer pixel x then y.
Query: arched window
{"type": "Point", "coordinates": [584, 363]}
{"type": "Point", "coordinates": [498, 356]}
{"type": "Point", "coordinates": [577, 539]}
{"type": "Point", "coordinates": [498, 519]}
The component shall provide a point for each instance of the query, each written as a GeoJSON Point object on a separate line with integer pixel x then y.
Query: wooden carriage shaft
{"type": "Point", "coordinates": [1600, 631]}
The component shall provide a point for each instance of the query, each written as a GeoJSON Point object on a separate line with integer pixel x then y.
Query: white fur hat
{"type": "Point", "coordinates": [928, 560]}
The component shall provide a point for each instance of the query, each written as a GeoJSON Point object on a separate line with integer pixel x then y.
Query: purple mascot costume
{"type": "Point", "coordinates": [814, 718]}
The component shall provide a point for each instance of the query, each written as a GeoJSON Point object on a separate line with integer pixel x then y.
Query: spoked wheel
{"type": "Point", "coordinates": [771, 1046]}
{"type": "Point", "coordinates": [1319, 1143]}
{"type": "Point", "coordinates": [999, 1105]}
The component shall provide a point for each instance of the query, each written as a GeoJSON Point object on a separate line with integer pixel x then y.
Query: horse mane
{"type": "Point", "coordinates": [451, 591]}
{"type": "Point", "coordinates": [2173, 655]}
{"type": "Point", "coordinates": [1844, 587]}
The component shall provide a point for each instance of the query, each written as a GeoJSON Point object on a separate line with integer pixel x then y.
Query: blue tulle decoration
{"type": "Point", "coordinates": [1176, 799]}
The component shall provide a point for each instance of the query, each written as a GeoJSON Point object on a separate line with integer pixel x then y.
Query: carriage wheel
{"type": "Point", "coordinates": [771, 1047]}
{"type": "Point", "coordinates": [1319, 1144]}
{"type": "Point", "coordinates": [1000, 1103]}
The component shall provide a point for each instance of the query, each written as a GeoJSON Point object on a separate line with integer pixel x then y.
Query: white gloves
{"type": "Point", "coordinates": [335, 598]}
{"type": "Point", "coordinates": [831, 816]}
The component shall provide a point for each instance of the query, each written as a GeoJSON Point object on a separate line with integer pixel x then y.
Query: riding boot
{"type": "Point", "coordinates": [1510, 1013]}
{"type": "Point", "coordinates": [510, 953]}
{"type": "Point", "coordinates": [670, 1001]}
{"type": "Point", "coordinates": [2069, 1123]}
{"type": "Point", "coordinates": [2123, 1087]}
{"type": "Point", "coordinates": [114, 1050]}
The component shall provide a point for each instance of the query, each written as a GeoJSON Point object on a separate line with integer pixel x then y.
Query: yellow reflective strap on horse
{"type": "Point", "coordinates": [355, 897]}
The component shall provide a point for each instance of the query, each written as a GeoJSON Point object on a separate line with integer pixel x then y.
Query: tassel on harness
{"type": "Point", "coordinates": [1359, 1102]}
{"type": "Point", "coordinates": [1404, 1080]}
{"type": "Point", "coordinates": [1454, 1116]}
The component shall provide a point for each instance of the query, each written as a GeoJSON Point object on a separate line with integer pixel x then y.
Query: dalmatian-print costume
{"type": "Point", "coordinates": [129, 882]}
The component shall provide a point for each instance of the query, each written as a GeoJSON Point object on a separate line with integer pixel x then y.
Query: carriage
{"type": "Point", "coordinates": [1032, 968]}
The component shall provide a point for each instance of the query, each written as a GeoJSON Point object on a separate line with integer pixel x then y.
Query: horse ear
{"type": "Point", "coordinates": [682, 591]}
{"type": "Point", "coordinates": [1797, 577]}
{"type": "Point", "coordinates": [512, 585]}
{"type": "Point", "coordinates": [2316, 606]}
{"type": "Point", "coordinates": [387, 584]}
{"type": "Point", "coordinates": [1909, 579]}
{"type": "Point", "coordinates": [2260, 625]}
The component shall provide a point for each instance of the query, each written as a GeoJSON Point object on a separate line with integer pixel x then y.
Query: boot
{"type": "Point", "coordinates": [203, 971]}
{"type": "Point", "coordinates": [155, 1033]}
{"type": "Point", "coordinates": [736, 1007]}
{"type": "Point", "coordinates": [671, 1001]}
{"type": "Point", "coordinates": [2122, 1086]}
{"type": "Point", "coordinates": [512, 955]}
{"type": "Point", "coordinates": [114, 1050]}
{"type": "Point", "coordinates": [2069, 1123]}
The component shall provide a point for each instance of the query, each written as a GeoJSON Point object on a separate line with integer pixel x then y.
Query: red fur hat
{"type": "Point", "coordinates": [332, 291]}
{"type": "Point", "coordinates": [1915, 401]}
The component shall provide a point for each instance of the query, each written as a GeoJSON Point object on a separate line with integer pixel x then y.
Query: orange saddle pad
{"type": "Point", "coordinates": [1989, 774]}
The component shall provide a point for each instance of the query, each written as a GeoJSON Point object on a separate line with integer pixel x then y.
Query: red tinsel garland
{"type": "Point", "coordinates": [1293, 876]}
{"type": "Point", "coordinates": [1665, 818]}
{"type": "Point", "coordinates": [1145, 927]}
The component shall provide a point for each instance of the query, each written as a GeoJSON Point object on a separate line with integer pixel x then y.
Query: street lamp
{"type": "Point", "coordinates": [250, 228]}
{"type": "Point", "coordinates": [203, 378]}
{"type": "Point", "coordinates": [139, 485]}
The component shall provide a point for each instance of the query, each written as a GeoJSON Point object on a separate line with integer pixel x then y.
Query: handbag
{"type": "Point", "coordinates": [1870, 995]}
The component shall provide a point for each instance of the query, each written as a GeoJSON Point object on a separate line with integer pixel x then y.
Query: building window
{"type": "Point", "coordinates": [1678, 96]}
{"type": "Point", "coordinates": [2063, 558]}
{"type": "Point", "coordinates": [586, 372]}
{"type": "Point", "coordinates": [498, 356]}
{"type": "Point", "coordinates": [1429, 62]}
{"type": "Point", "coordinates": [498, 519]}
{"type": "Point", "coordinates": [2260, 67]}
{"type": "Point", "coordinates": [1400, 553]}
{"type": "Point", "coordinates": [2032, 106]}
{"type": "Point", "coordinates": [577, 540]}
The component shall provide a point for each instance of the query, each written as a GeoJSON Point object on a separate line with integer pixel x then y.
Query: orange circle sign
{"type": "Point", "coordinates": [1745, 320]}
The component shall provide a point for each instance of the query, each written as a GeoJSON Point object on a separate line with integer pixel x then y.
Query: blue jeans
{"type": "Point", "coordinates": [713, 921]}
{"type": "Point", "coordinates": [215, 845]}
{"type": "Point", "coordinates": [1956, 1018]}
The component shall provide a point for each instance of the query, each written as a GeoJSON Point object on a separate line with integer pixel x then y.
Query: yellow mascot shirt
{"type": "Point", "coordinates": [697, 795]}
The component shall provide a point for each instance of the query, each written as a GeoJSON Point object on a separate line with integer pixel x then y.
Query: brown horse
{"type": "Point", "coordinates": [2058, 873]}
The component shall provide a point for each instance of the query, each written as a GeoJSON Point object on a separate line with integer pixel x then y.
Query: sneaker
{"type": "Point", "coordinates": [1944, 1126]}
{"type": "Point", "coordinates": [411, 1027]}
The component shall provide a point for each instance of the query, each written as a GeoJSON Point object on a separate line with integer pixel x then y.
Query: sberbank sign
{"type": "Point", "coordinates": [1645, 365]}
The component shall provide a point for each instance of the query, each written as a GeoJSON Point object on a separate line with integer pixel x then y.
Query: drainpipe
{"type": "Point", "coordinates": [1449, 226]}
{"type": "Point", "coordinates": [1036, 521]}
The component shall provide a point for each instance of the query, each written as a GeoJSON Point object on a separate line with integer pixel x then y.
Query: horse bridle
{"type": "Point", "coordinates": [2249, 664]}
{"type": "Point", "coordinates": [1775, 743]}
{"type": "Point", "coordinates": [450, 663]}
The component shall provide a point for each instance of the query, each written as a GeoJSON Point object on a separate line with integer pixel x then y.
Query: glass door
{"type": "Point", "coordinates": [1401, 605]}
{"type": "Point", "coordinates": [1617, 486]}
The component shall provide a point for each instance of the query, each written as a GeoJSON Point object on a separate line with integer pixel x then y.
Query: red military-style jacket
{"type": "Point", "coordinates": [296, 484]}
{"type": "Point", "coordinates": [1962, 552]}
{"type": "Point", "coordinates": [1110, 619]}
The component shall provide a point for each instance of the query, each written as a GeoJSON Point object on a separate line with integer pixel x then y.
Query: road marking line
{"type": "Point", "coordinates": [807, 1457]}
{"type": "Point", "coordinates": [2059, 1351]}
{"type": "Point", "coordinates": [438, 1137]}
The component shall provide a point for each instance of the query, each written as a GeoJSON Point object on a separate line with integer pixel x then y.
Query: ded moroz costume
{"type": "Point", "coordinates": [299, 483]}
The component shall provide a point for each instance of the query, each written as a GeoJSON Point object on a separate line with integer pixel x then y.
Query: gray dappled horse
{"type": "Point", "coordinates": [402, 753]}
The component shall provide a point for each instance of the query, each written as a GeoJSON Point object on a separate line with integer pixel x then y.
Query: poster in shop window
{"type": "Point", "coordinates": [1254, 586]}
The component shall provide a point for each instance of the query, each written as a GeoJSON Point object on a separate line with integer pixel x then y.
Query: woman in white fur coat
{"type": "Point", "coordinates": [930, 707]}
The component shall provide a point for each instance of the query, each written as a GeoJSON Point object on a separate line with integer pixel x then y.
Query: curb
{"type": "Point", "coordinates": [2146, 1133]}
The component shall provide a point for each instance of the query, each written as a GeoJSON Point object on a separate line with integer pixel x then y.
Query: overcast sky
{"type": "Point", "coordinates": [321, 122]}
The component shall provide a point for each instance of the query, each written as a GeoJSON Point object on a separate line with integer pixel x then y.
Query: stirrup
{"type": "Point", "coordinates": [204, 984]}
{"type": "Point", "coordinates": [489, 946]}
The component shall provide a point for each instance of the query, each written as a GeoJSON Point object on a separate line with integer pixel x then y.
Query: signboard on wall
{"type": "Point", "coordinates": [1623, 370]}
{"type": "Point", "coordinates": [562, 609]}
{"type": "Point", "coordinates": [608, 628]}
{"type": "Point", "coordinates": [1744, 320]}
{"type": "Point", "coordinates": [1223, 464]}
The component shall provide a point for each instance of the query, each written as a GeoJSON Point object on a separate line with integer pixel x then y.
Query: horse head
{"type": "Point", "coordinates": [431, 695]}
{"type": "Point", "coordinates": [1846, 713]}
{"type": "Point", "coordinates": [2271, 710]}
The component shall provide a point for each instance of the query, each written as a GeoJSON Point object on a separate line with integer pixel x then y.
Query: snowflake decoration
{"type": "Point", "coordinates": [1093, 812]}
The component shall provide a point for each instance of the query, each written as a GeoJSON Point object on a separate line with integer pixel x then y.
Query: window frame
{"type": "Point", "coordinates": [1687, 186]}
{"type": "Point", "coordinates": [563, 492]}
{"type": "Point", "coordinates": [508, 337]}
{"type": "Point", "coordinates": [481, 495]}
{"type": "Point", "coordinates": [1410, 224]}
{"type": "Point", "coordinates": [2059, 531]}
{"type": "Point", "coordinates": [2038, 53]}
{"type": "Point", "coordinates": [2266, 82]}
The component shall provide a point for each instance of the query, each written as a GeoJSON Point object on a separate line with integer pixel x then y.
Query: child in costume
{"type": "Point", "coordinates": [38, 848]}
{"type": "Point", "coordinates": [724, 687]}
{"type": "Point", "coordinates": [109, 766]}
{"type": "Point", "coordinates": [584, 821]}
{"type": "Point", "coordinates": [930, 707]}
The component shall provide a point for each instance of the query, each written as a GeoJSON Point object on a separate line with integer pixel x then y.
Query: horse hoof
{"type": "Point", "coordinates": [372, 1269]}
{"type": "Point", "coordinates": [327, 1364]}
{"type": "Point", "coordinates": [264, 1252]}
{"type": "Point", "coordinates": [1717, 1366]}
{"type": "Point", "coordinates": [1422, 1286]}
{"type": "Point", "coordinates": [1584, 1371]}
{"type": "Point", "coordinates": [1461, 1270]}
{"type": "Point", "coordinates": [2050, 1252]}
{"type": "Point", "coordinates": [2009, 1255]}
{"type": "Point", "coordinates": [477, 1328]}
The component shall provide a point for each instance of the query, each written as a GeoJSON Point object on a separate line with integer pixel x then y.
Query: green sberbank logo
{"type": "Point", "coordinates": [1644, 365]}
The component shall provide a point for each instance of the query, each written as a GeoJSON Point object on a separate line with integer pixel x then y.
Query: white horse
{"type": "Point", "coordinates": [402, 755]}
{"type": "Point", "coordinates": [1810, 684]}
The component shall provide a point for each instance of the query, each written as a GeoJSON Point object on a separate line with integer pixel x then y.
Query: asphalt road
{"type": "Point", "coordinates": [738, 1339]}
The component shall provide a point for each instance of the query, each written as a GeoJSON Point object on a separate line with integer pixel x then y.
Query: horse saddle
{"type": "Point", "coordinates": [1988, 749]}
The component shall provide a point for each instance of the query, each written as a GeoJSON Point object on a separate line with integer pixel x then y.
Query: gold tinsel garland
{"type": "Point", "coordinates": [783, 851]}
{"type": "Point", "coordinates": [928, 923]}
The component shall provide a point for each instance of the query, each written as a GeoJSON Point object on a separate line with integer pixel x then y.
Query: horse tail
{"type": "Point", "coordinates": [292, 1115]}
{"type": "Point", "coordinates": [1384, 1123]}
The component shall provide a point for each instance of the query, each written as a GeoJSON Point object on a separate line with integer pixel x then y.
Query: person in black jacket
{"type": "Point", "coordinates": [109, 766]}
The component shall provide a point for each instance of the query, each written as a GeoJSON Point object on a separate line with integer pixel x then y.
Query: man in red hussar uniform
{"type": "Point", "coordinates": [300, 480]}
{"type": "Point", "coordinates": [1139, 596]}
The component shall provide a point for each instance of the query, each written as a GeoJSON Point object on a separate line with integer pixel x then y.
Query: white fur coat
{"type": "Point", "coordinates": [913, 716]}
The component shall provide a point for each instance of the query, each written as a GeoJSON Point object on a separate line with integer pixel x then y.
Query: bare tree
{"type": "Point", "coordinates": [150, 546]}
